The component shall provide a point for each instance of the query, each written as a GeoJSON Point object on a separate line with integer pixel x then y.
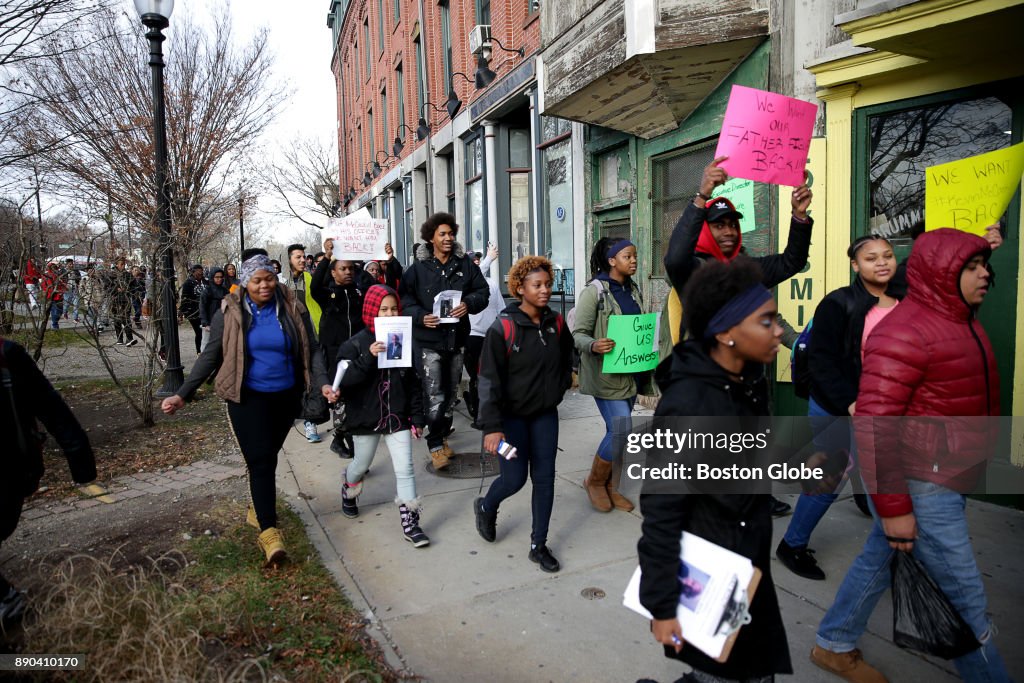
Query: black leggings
{"type": "Point", "coordinates": [197, 327]}
{"type": "Point", "coordinates": [261, 423]}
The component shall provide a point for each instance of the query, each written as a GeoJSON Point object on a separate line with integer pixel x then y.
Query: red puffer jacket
{"type": "Point", "coordinates": [929, 357]}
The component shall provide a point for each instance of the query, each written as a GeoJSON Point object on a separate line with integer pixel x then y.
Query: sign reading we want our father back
{"type": "Point", "coordinates": [766, 136]}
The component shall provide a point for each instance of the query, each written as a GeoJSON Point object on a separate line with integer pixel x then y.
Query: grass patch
{"type": "Point", "coordinates": [303, 626]}
{"type": "Point", "coordinates": [206, 611]}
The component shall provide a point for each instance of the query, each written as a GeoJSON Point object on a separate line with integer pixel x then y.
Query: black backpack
{"type": "Point", "coordinates": [799, 362]}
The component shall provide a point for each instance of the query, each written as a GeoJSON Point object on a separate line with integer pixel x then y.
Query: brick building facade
{"type": "Point", "coordinates": [400, 64]}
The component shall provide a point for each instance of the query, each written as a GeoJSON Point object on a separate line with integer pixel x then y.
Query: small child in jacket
{"type": "Point", "coordinates": [525, 369]}
{"type": "Point", "coordinates": [381, 402]}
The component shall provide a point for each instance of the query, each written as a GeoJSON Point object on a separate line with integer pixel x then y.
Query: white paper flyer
{"type": "Point", "coordinates": [713, 599]}
{"type": "Point", "coordinates": [396, 333]}
{"type": "Point", "coordinates": [445, 302]}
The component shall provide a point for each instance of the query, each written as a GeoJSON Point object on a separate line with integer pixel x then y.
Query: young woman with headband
{"type": "Point", "coordinates": [611, 292]}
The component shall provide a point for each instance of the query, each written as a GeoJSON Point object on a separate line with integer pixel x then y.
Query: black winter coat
{"type": "Point", "coordinates": [361, 391]}
{"type": "Point", "coordinates": [209, 302]}
{"type": "Point", "coordinates": [425, 279]}
{"type": "Point", "coordinates": [36, 399]}
{"type": "Point", "coordinates": [682, 259]}
{"type": "Point", "coordinates": [191, 292]}
{"type": "Point", "coordinates": [529, 378]}
{"type": "Point", "coordinates": [341, 308]}
{"type": "Point", "coordinates": [697, 386]}
{"type": "Point", "coordinates": [833, 355]}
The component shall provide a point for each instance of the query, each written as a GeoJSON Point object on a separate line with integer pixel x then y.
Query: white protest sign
{"type": "Point", "coordinates": [358, 236]}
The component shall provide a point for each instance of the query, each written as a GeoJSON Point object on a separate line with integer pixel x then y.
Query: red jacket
{"type": "Point", "coordinates": [929, 357]}
{"type": "Point", "coordinates": [31, 275]}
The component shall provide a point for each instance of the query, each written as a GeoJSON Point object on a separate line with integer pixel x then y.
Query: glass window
{"type": "Point", "coordinates": [369, 51]}
{"type": "Point", "coordinates": [903, 143]}
{"type": "Point", "coordinates": [673, 188]}
{"type": "Point", "coordinates": [398, 11]}
{"type": "Point", "coordinates": [380, 25]}
{"type": "Point", "coordinates": [420, 85]}
{"type": "Point", "coordinates": [446, 41]}
{"type": "Point", "coordinates": [483, 12]}
{"type": "Point", "coordinates": [533, 6]}
{"type": "Point", "coordinates": [519, 214]}
{"type": "Point", "coordinates": [410, 234]}
{"type": "Point", "coordinates": [400, 87]}
{"type": "Point", "coordinates": [362, 150]}
{"type": "Point", "coordinates": [519, 148]}
{"type": "Point", "coordinates": [449, 166]}
{"type": "Point", "coordinates": [613, 172]}
{"type": "Point", "coordinates": [556, 184]}
{"type": "Point", "coordinates": [552, 127]}
{"type": "Point", "coordinates": [371, 137]}
{"type": "Point", "coordinates": [384, 119]}
{"type": "Point", "coordinates": [474, 237]}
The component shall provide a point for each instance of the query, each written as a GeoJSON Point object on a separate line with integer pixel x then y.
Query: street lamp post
{"type": "Point", "coordinates": [241, 219]}
{"type": "Point", "coordinates": [155, 15]}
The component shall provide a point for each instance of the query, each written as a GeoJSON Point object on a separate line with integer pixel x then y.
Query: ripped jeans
{"type": "Point", "coordinates": [944, 548]}
{"type": "Point", "coordinates": [441, 372]}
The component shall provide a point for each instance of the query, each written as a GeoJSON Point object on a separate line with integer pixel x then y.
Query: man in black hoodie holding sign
{"type": "Point", "coordinates": [441, 264]}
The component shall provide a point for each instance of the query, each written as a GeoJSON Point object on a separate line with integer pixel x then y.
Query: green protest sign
{"type": "Point", "coordinates": [636, 343]}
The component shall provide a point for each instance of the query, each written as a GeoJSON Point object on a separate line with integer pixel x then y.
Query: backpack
{"type": "Point", "coordinates": [799, 362]}
{"type": "Point", "coordinates": [508, 329]}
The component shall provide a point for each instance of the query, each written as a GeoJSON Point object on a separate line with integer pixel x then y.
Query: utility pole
{"type": "Point", "coordinates": [39, 209]}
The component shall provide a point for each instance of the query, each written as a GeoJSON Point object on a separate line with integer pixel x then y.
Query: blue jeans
{"type": "Point", "coordinates": [56, 311]}
{"type": "Point", "coordinates": [944, 548]}
{"type": "Point", "coordinates": [615, 430]}
{"type": "Point", "coordinates": [830, 434]}
{"type": "Point", "coordinates": [536, 440]}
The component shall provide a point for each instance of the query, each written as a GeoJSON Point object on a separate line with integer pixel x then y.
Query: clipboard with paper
{"type": "Point", "coordinates": [716, 588]}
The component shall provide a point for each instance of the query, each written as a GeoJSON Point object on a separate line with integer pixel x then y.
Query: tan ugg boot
{"type": "Point", "coordinates": [619, 501]}
{"type": "Point", "coordinates": [272, 545]}
{"type": "Point", "coordinates": [596, 484]}
{"type": "Point", "coordinates": [439, 458]}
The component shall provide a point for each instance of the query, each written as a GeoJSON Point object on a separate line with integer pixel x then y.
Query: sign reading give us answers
{"type": "Point", "coordinates": [766, 136]}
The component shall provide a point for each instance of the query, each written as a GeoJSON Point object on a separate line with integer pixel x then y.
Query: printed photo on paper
{"type": "Point", "coordinates": [445, 302]}
{"type": "Point", "coordinates": [396, 334]}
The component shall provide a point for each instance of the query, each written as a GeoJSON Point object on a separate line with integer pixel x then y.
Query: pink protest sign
{"type": "Point", "coordinates": [766, 136]}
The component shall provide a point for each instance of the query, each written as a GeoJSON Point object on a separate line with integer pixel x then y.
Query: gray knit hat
{"type": "Point", "coordinates": [249, 268]}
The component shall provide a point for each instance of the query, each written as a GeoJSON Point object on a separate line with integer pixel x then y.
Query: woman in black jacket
{"type": "Point", "coordinates": [730, 317]}
{"type": "Point", "coordinates": [841, 324]}
{"type": "Point", "coordinates": [525, 369]}
{"type": "Point", "coordinates": [209, 302]}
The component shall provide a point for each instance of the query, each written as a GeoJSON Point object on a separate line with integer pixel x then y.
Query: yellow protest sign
{"type": "Point", "coordinates": [971, 194]}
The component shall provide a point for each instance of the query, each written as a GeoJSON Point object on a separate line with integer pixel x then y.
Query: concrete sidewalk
{"type": "Point", "coordinates": [466, 610]}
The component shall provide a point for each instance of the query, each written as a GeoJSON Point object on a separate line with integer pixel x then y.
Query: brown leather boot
{"type": "Point", "coordinates": [619, 501]}
{"type": "Point", "coordinates": [596, 484]}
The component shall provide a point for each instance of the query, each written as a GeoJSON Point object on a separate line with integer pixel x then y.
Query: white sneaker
{"type": "Point", "coordinates": [311, 434]}
{"type": "Point", "coordinates": [133, 342]}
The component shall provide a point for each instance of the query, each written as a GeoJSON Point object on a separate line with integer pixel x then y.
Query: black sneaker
{"type": "Point", "coordinates": [342, 445]}
{"type": "Point", "coordinates": [542, 556]}
{"type": "Point", "coordinates": [470, 405]}
{"type": "Point", "coordinates": [800, 561]}
{"type": "Point", "coordinates": [349, 507]}
{"type": "Point", "coordinates": [780, 509]}
{"type": "Point", "coordinates": [486, 522]}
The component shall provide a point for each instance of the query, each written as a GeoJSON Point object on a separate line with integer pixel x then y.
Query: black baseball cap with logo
{"type": "Point", "coordinates": [719, 208]}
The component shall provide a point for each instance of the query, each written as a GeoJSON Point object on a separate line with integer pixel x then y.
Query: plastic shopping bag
{"type": "Point", "coordinates": [922, 617]}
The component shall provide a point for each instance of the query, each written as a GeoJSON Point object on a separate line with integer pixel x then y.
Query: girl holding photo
{"type": "Point", "coordinates": [381, 402]}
